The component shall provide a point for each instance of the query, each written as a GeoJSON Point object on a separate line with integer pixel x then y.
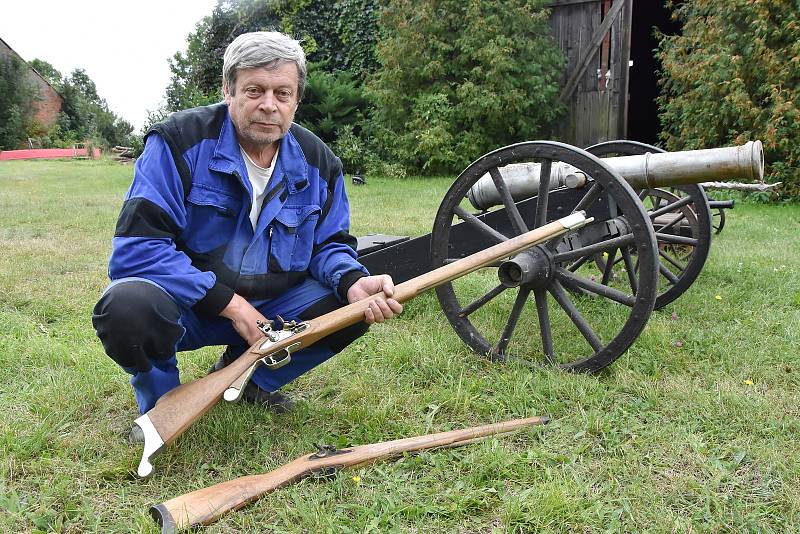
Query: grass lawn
{"type": "Point", "coordinates": [694, 429]}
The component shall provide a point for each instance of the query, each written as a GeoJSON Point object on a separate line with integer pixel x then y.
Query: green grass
{"type": "Point", "coordinates": [694, 429]}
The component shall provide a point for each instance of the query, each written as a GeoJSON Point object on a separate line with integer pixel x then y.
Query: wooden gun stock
{"type": "Point", "coordinates": [181, 407]}
{"type": "Point", "coordinates": [206, 505]}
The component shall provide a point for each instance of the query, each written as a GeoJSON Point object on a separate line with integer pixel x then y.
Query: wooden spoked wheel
{"type": "Point", "coordinates": [545, 305]}
{"type": "Point", "coordinates": [681, 219]}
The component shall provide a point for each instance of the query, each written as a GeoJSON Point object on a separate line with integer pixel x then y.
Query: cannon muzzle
{"type": "Point", "coordinates": [650, 170]}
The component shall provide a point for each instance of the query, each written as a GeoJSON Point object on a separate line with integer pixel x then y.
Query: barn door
{"type": "Point", "coordinates": [595, 37]}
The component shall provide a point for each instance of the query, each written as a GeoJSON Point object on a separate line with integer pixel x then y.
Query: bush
{"type": "Point", "coordinates": [459, 79]}
{"type": "Point", "coordinates": [733, 75]}
{"type": "Point", "coordinates": [331, 101]}
{"type": "Point", "coordinates": [16, 94]}
{"type": "Point", "coordinates": [355, 155]}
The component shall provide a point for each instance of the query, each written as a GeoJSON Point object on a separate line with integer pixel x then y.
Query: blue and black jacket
{"type": "Point", "coordinates": [185, 221]}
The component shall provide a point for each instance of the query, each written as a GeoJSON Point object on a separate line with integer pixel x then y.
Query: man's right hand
{"type": "Point", "coordinates": [244, 318]}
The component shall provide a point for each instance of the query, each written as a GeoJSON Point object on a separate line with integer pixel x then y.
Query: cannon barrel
{"type": "Point", "coordinates": [650, 170]}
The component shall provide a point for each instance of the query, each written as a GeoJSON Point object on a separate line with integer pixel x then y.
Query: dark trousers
{"type": "Point", "coordinates": [142, 328]}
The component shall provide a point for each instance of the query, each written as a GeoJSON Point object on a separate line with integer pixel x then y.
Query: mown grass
{"type": "Point", "coordinates": [694, 429]}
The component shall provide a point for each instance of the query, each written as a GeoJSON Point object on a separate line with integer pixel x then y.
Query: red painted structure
{"type": "Point", "coordinates": [49, 153]}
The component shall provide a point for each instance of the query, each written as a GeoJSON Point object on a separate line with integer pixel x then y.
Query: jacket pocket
{"type": "Point", "coordinates": [292, 238]}
{"type": "Point", "coordinates": [211, 218]}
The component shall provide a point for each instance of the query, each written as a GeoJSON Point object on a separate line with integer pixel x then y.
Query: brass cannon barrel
{"type": "Point", "coordinates": [744, 162]}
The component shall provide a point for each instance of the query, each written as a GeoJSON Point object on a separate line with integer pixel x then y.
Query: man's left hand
{"type": "Point", "coordinates": [380, 309]}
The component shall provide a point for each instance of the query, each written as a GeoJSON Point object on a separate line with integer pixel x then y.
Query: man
{"type": "Point", "coordinates": [235, 215]}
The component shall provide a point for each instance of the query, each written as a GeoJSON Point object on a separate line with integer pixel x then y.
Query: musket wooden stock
{"type": "Point", "coordinates": [206, 505]}
{"type": "Point", "coordinates": [181, 407]}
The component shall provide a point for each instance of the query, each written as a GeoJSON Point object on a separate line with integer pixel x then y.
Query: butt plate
{"type": "Point", "coordinates": [152, 445]}
{"type": "Point", "coordinates": [164, 519]}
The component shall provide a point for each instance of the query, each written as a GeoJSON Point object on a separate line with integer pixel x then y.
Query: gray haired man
{"type": "Point", "coordinates": [236, 214]}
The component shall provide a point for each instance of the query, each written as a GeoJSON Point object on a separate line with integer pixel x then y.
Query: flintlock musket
{"type": "Point", "coordinates": [182, 406]}
{"type": "Point", "coordinates": [206, 505]}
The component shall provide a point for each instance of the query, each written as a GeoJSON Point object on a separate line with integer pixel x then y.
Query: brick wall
{"type": "Point", "coordinates": [47, 103]}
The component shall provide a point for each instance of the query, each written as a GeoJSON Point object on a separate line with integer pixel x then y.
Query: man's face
{"type": "Point", "coordinates": [263, 105]}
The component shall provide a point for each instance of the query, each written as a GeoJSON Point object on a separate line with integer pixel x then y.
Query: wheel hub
{"type": "Point", "coordinates": [532, 269]}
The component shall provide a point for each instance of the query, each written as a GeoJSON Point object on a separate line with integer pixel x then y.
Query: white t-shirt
{"type": "Point", "coordinates": [259, 178]}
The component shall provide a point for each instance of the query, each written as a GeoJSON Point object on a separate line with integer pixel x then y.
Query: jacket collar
{"type": "Point", "coordinates": [291, 162]}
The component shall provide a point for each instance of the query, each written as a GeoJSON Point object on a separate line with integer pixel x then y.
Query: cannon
{"type": "Point", "coordinates": [579, 301]}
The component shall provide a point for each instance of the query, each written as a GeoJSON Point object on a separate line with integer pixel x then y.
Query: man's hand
{"type": "Point", "coordinates": [379, 309]}
{"type": "Point", "coordinates": [244, 317]}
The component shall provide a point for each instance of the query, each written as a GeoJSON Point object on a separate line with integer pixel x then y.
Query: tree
{"type": "Point", "coordinates": [733, 75]}
{"type": "Point", "coordinates": [79, 109]}
{"type": "Point", "coordinates": [84, 114]}
{"type": "Point", "coordinates": [357, 29]}
{"type": "Point", "coordinates": [330, 101]}
{"type": "Point", "coordinates": [16, 95]}
{"type": "Point", "coordinates": [337, 35]}
{"type": "Point", "coordinates": [460, 78]}
{"type": "Point", "coordinates": [47, 71]}
{"type": "Point", "coordinates": [197, 75]}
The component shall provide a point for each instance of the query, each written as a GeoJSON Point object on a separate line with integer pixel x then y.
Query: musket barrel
{"type": "Point", "coordinates": [660, 169]}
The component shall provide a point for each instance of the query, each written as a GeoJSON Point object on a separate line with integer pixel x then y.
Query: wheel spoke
{"type": "Point", "coordinates": [508, 331]}
{"type": "Point", "coordinates": [684, 201]}
{"type": "Point", "coordinates": [608, 271]}
{"type": "Point", "coordinates": [671, 260]}
{"type": "Point", "coordinates": [505, 195]}
{"type": "Point", "coordinates": [681, 216]}
{"type": "Point", "coordinates": [676, 239]}
{"type": "Point", "coordinates": [479, 225]}
{"type": "Point", "coordinates": [544, 325]}
{"type": "Point", "coordinates": [544, 193]}
{"type": "Point", "coordinates": [575, 316]}
{"type": "Point", "coordinates": [591, 195]}
{"type": "Point", "coordinates": [667, 273]}
{"type": "Point", "coordinates": [596, 248]}
{"type": "Point", "coordinates": [577, 265]}
{"type": "Point", "coordinates": [593, 287]}
{"type": "Point", "coordinates": [476, 304]}
{"type": "Point", "coordinates": [630, 268]}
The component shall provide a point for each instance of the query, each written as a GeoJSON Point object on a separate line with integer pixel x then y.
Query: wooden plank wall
{"type": "Point", "coordinates": [596, 110]}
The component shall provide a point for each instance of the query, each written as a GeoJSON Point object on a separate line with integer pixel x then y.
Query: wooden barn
{"type": "Point", "coordinates": [610, 83]}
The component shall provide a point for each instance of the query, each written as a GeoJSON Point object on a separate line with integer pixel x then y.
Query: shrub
{"type": "Point", "coordinates": [355, 154]}
{"type": "Point", "coordinates": [16, 94]}
{"type": "Point", "coordinates": [733, 75]}
{"type": "Point", "coordinates": [461, 78]}
{"type": "Point", "coordinates": [331, 101]}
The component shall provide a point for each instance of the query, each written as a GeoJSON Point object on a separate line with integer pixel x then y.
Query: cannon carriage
{"type": "Point", "coordinates": [580, 301]}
